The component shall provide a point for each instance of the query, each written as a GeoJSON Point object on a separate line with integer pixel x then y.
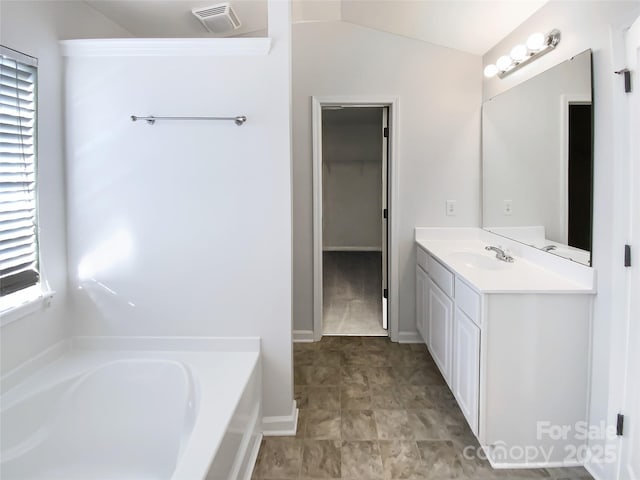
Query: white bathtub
{"type": "Point", "coordinates": [117, 413]}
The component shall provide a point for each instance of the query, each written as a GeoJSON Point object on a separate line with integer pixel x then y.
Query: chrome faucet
{"type": "Point", "coordinates": [500, 254]}
{"type": "Point", "coordinates": [548, 248]}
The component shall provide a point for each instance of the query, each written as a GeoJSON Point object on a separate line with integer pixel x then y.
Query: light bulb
{"type": "Point", "coordinates": [519, 53]}
{"type": "Point", "coordinates": [504, 62]}
{"type": "Point", "coordinates": [535, 42]}
{"type": "Point", "coordinates": [490, 70]}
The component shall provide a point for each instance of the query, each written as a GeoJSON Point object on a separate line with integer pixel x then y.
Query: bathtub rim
{"type": "Point", "coordinates": [20, 373]}
{"type": "Point", "coordinates": [71, 384]}
{"type": "Point", "coordinates": [194, 461]}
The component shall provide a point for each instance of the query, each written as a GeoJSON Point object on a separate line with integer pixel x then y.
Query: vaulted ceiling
{"type": "Point", "coordinates": [472, 26]}
{"type": "Point", "coordinates": [173, 18]}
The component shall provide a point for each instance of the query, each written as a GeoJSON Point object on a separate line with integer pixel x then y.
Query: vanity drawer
{"type": "Point", "coordinates": [440, 275]}
{"type": "Point", "coordinates": [468, 301]}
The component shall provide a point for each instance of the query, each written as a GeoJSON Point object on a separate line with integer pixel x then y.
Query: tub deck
{"type": "Point", "coordinates": [219, 441]}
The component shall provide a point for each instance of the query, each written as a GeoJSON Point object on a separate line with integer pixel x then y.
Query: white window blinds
{"type": "Point", "coordinates": [18, 239]}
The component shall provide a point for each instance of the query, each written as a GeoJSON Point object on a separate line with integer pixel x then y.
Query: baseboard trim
{"type": "Point", "coordinates": [281, 426]}
{"type": "Point", "coordinates": [303, 336]}
{"type": "Point", "coordinates": [410, 337]}
{"type": "Point", "coordinates": [351, 249]}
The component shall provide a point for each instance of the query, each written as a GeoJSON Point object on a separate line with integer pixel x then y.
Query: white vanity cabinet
{"type": "Point", "coordinates": [440, 322]}
{"type": "Point", "coordinates": [434, 320]}
{"type": "Point", "coordinates": [515, 355]}
{"type": "Point", "coordinates": [466, 367]}
{"type": "Point", "coordinates": [422, 282]}
{"type": "Point", "coordinates": [450, 335]}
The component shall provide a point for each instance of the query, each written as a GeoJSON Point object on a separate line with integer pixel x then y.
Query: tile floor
{"type": "Point", "coordinates": [352, 293]}
{"type": "Point", "coordinates": [372, 409]}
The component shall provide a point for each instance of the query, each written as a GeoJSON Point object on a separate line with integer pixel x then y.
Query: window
{"type": "Point", "coordinates": [19, 267]}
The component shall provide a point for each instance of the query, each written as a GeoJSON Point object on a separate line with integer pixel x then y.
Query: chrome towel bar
{"type": "Point", "coordinates": [151, 119]}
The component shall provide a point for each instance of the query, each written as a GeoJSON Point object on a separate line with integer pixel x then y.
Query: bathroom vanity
{"type": "Point", "coordinates": [512, 341]}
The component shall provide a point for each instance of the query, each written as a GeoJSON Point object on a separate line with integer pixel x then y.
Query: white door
{"type": "Point", "coordinates": [421, 302]}
{"type": "Point", "coordinates": [466, 367]}
{"type": "Point", "coordinates": [630, 454]}
{"type": "Point", "coordinates": [440, 316]}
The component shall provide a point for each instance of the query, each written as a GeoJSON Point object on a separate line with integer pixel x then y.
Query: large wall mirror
{"type": "Point", "coordinates": [537, 161]}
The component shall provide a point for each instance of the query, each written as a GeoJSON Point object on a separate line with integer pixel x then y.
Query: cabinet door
{"type": "Point", "coordinates": [466, 367]}
{"type": "Point", "coordinates": [422, 302]}
{"type": "Point", "coordinates": [440, 320]}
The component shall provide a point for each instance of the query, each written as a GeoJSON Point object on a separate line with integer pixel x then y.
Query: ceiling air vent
{"type": "Point", "coordinates": [219, 18]}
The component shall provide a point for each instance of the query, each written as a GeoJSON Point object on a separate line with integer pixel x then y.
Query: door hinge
{"type": "Point", "coordinates": [384, 213]}
{"type": "Point", "coordinates": [619, 425]}
{"type": "Point", "coordinates": [385, 293]}
{"type": "Point", "coordinates": [627, 255]}
{"type": "Point", "coordinates": [626, 74]}
{"type": "Point", "coordinates": [385, 132]}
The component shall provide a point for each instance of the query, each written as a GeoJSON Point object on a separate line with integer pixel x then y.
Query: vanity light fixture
{"type": "Point", "coordinates": [537, 45]}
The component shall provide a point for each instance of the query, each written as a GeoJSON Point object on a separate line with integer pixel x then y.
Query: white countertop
{"type": "Point", "coordinates": [529, 273]}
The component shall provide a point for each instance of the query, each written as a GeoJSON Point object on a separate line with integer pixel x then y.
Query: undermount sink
{"type": "Point", "coordinates": [479, 260]}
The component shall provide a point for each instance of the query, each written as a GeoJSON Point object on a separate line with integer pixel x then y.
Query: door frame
{"type": "Point", "coordinates": [393, 103]}
{"type": "Point", "coordinates": [619, 342]}
{"type": "Point", "coordinates": [630, 394]}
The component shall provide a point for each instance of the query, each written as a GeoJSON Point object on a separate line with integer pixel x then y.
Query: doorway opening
{"type": "Point", "coordinates": [580, 175]}
{"type": "Point", "coordinates": [354, 231]}
{"type": "Point", "coordinates": [353, 286]}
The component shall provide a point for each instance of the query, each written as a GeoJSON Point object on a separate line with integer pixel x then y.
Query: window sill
{"type": "Point", "coordinates": [24, 303]}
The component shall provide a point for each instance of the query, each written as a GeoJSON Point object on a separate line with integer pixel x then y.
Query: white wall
{"type": "Point", "coordinates": [523, 160]}
{"type": "Point", "coordinates": [35, 28]}
{"type": "Point", "coordinates": [595, 25]}
{"type": "Point", "coordinates": [352, 178]}
{"type": "Point", "coordinates": [315, 10]}
{"type": "Point", "coordinates": [184, 228]}
{"type": "Point", "coordinates": [439, 130]}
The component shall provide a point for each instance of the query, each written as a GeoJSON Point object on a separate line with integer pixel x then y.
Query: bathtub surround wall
{"type": "Point", "coordinates": [184, 228]}
{"type": "Point", "coordinates": [35, 28]}
{"type": "Point", "coordinates": [595, 25]}
{"type": "Point", "coordinates": [439, 94]}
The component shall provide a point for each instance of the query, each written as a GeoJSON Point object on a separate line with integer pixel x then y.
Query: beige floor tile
{"type": "Point", "coordinates": [393, 425]}
{"type": "Point", "coordinates": [355, 397]}
{"type": "Point", "coordinates": [385, 398]}
{"type": "Point", "coordinates": [322, 459]}
{"type": "Point", "coordinates": [393, 395]}
{"type": "Point", "coordinates": [328, 358]}
{"type": "Point", "coordinates": [301, 396]}
{"type": "Point", "coordinates": [426, 425]}
{"type": "Point", "coordinates": [358, 425]}
{"type": "Point", "coordinates": [415, 396]}
{"type": "Point", "coordinates": [323, 398]}
{"type": "Point", "coordinates": [327, 376]}
{"type": "Point", "coordinates": [280, 457]}
{"type": "Point", "coordinates": [381, 376]}
{"type": "Point", "coordinates": [323, 425]}
{"type": "Point", "coordinates": [401, 460]}
{"type": "Point", "coordinates": [301, 428]}
{"type": "Point", "coordinates": [361, 460]}
{"type": "Point", "coordinates": [441, 459]}
{"type": "Point", "coordinates": [354, 375]}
